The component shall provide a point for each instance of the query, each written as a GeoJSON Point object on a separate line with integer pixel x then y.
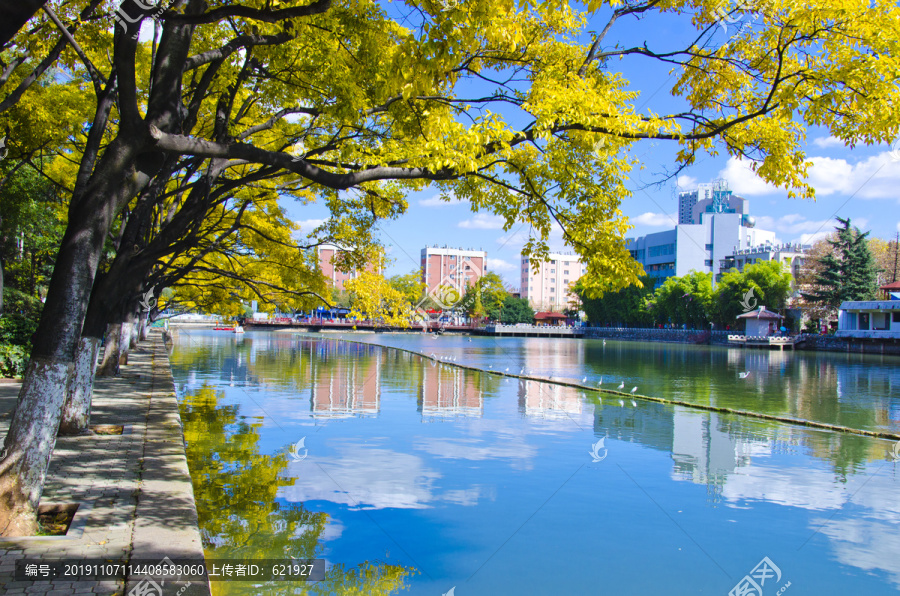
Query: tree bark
{"type": "Point", "coordinates": [76, 414]}
{"type": "Point", "coordinates": [144, 328]}
{"type": "Point", "coordinates": [109, 365]}
{"type": "Point", "coordinates": [14, 14]}
{"type": "Point", "coordinates": [29, 443]}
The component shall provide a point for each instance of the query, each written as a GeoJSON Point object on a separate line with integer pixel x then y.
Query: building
{"type": "Point", "coordinates": [544, 319]}
{"type": "Point", "coordinates": [713, 197]}
{"type": "Point", "coordinates": [327, 254]}
{"type": "Point", "coordinates": [872, 319]}
{"type": "Point", "coordinates": [791, 257]}
{"type": "Point", "coordinates": [760, 322]}
{"type": "Point", "coordinates": [548, 286]}
{"type": "Point", "coordinates": [713, 226]}
{"type": "Point", "coordinates": [699, 247]}
{"type": "Point", "coordinates": [452, 267]}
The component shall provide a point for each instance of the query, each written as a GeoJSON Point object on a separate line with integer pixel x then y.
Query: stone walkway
{"type": "Point", "coordinates": [135, 494]}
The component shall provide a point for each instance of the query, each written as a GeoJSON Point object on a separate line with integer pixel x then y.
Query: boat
{"type": "Point", "coordinates": [238, 329]}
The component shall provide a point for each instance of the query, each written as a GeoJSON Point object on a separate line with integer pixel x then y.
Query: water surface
{"type": "Point", "coordinates": [415, 478]}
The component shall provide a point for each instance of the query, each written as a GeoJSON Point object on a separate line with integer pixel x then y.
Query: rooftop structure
{"type": "Point", "coordinates": [712, 197]}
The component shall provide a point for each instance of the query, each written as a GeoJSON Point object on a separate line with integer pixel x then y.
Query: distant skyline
{"type": "Point", "coordinates": [860, 183]}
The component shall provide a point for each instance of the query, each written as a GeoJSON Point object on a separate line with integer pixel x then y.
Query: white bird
{"type": "Point", "coordinates": [507, 369]}
{"type": "Point", "coordinates": [490, 366]}
{"type": "Point", "coordinates": [622, 386]}
{"type": "Point", "coordinates": [600, 382]}
{"type": "Point", "coordinates": [621, 403]}
{"type": "Point", "coordinates": [633, 404]}
{"type": "Point", "coordinates": [744, 375]}
{"type": "Point", "coordinates": [522, 371]}
{"type": "Point", "coordinates": [604, 342]}
{"type": "Point", "coordinates": [633, 389]}
{"type": "Point", "coordinates": [584, 380]}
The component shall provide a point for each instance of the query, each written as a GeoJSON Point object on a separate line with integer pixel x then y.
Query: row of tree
{"type": "Point", "coordinates": [170, 155]}
{"type": "Point", "coordinates": [691, 300]}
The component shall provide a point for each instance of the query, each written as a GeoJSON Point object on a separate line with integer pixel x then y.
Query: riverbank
{"type": "Point", "coordinates": [809, 342]}
{"type": "Point", "coordinates": [134, 493]}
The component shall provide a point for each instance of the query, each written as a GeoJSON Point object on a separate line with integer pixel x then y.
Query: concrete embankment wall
{"type": "Point", "coordinates": [822, 343]}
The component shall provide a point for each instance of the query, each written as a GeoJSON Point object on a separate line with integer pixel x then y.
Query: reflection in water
{"type": "Point", "coordinates": [427, 504]}
{"type": "Point", "coordinates": [235, 488]}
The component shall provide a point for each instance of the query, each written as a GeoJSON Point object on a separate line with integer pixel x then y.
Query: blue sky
{"type": "Point", "coordinates": [861, 183]}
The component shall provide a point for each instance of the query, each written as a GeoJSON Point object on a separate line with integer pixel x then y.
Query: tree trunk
{"type": "Point", "coordinates": [127, 340]}
{"type": "Point", "coordinates": [136, 334]}
{"type": "Point", "coordinates": [144, 328]}
{"type": "Point", "coordinates": [109, 365]}
{"type": "Point", "coordinates": [29, 443]}
{"type": "Point", "coordinates": [35, 421]}
{"type": "Point", "coordinates": [76, 414]}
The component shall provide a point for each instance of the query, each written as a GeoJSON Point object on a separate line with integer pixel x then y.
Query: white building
{"type": "Point", "coordinates": [791, 257]}
{"type": "Point", "coordinates": [452, 267]}
{"type": "Point", "coordinates": [872, 319]}
{"type": "Point", "coordinates": [699, 247]}
{"type": "Point", "coordinates": [548, 286]}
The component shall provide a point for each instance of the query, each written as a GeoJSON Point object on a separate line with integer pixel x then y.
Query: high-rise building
{"type": "Point", "coordinates": [455, 268]}
{"type": "Point", "coordinates": [548, 286]}
{"type": "Point", "coordinates": [712, 197]}
{"type": "Point", "coordinates": [327, 254]}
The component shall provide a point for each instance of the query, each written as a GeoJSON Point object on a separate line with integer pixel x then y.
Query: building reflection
{"type": "Point", "coordinates": [448, 391]}
{"type": "Point", "coordinates": [345, 381]}
{"type": "Point", "coordinates": [547, 400]}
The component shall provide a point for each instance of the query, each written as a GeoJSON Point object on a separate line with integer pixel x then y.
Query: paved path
{"type": "Point", "coordinates": [134, 489]}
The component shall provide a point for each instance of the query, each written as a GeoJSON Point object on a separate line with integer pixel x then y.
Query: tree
{"type": "Point", "coordinates": [515, 310]}
{"type": "Point", "coordinates": [622, 308]}
{"type": "Point", "coordinates": [770, 283]}
{"type": "Point", "coordinates": [374, 298]}
{"type": "Point", "coordinates": [410, 285]}
{"type": "Point", "coordinates": [484, 297]}
{"type": "Point", "coordinates": [887, 259]}
{"type": "Point", "coordinates": [356, 104]}
{"type": "Point", "coordinates": [685, 300]}
{"type": "Point", "coordinates": [847, 272]}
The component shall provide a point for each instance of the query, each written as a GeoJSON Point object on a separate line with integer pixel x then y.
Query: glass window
{"type": "Point", "coordinates": [864, 321]}
{"type": "Point", "coordinates": [896, 317]}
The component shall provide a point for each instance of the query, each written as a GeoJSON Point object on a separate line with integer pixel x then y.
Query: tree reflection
{"type": "Point", "coordinates": [235, 490]}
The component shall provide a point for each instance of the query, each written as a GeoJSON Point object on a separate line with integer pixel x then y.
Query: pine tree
{"type": "Point", "coordinates": [848, 271]}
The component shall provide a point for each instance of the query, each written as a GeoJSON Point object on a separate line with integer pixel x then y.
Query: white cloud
{"type": "Point", "coordinates": [654, 219]}
{"type": "Point", "coordinates": [437, 201]}
{"type": "Point", "coordinates": [308, 225]}
{"type": "Point", "coordinates": [744, 181]}
{"type": "Point", "coordinates": [876, 177]}
{"type": "Point", "coordinates": [813, 238]}
{"type": "Point", "coordinates": [826, 142]}
{"type": "Point", "coordinates": [483, 221]}
{"type": "Point", "coordinates": [686, 183]}
{"type": "Point", "coordinates": [499, 265]}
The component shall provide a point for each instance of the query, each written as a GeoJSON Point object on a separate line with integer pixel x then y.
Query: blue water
{"type": "Point", "coordinates": [470, 481]}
